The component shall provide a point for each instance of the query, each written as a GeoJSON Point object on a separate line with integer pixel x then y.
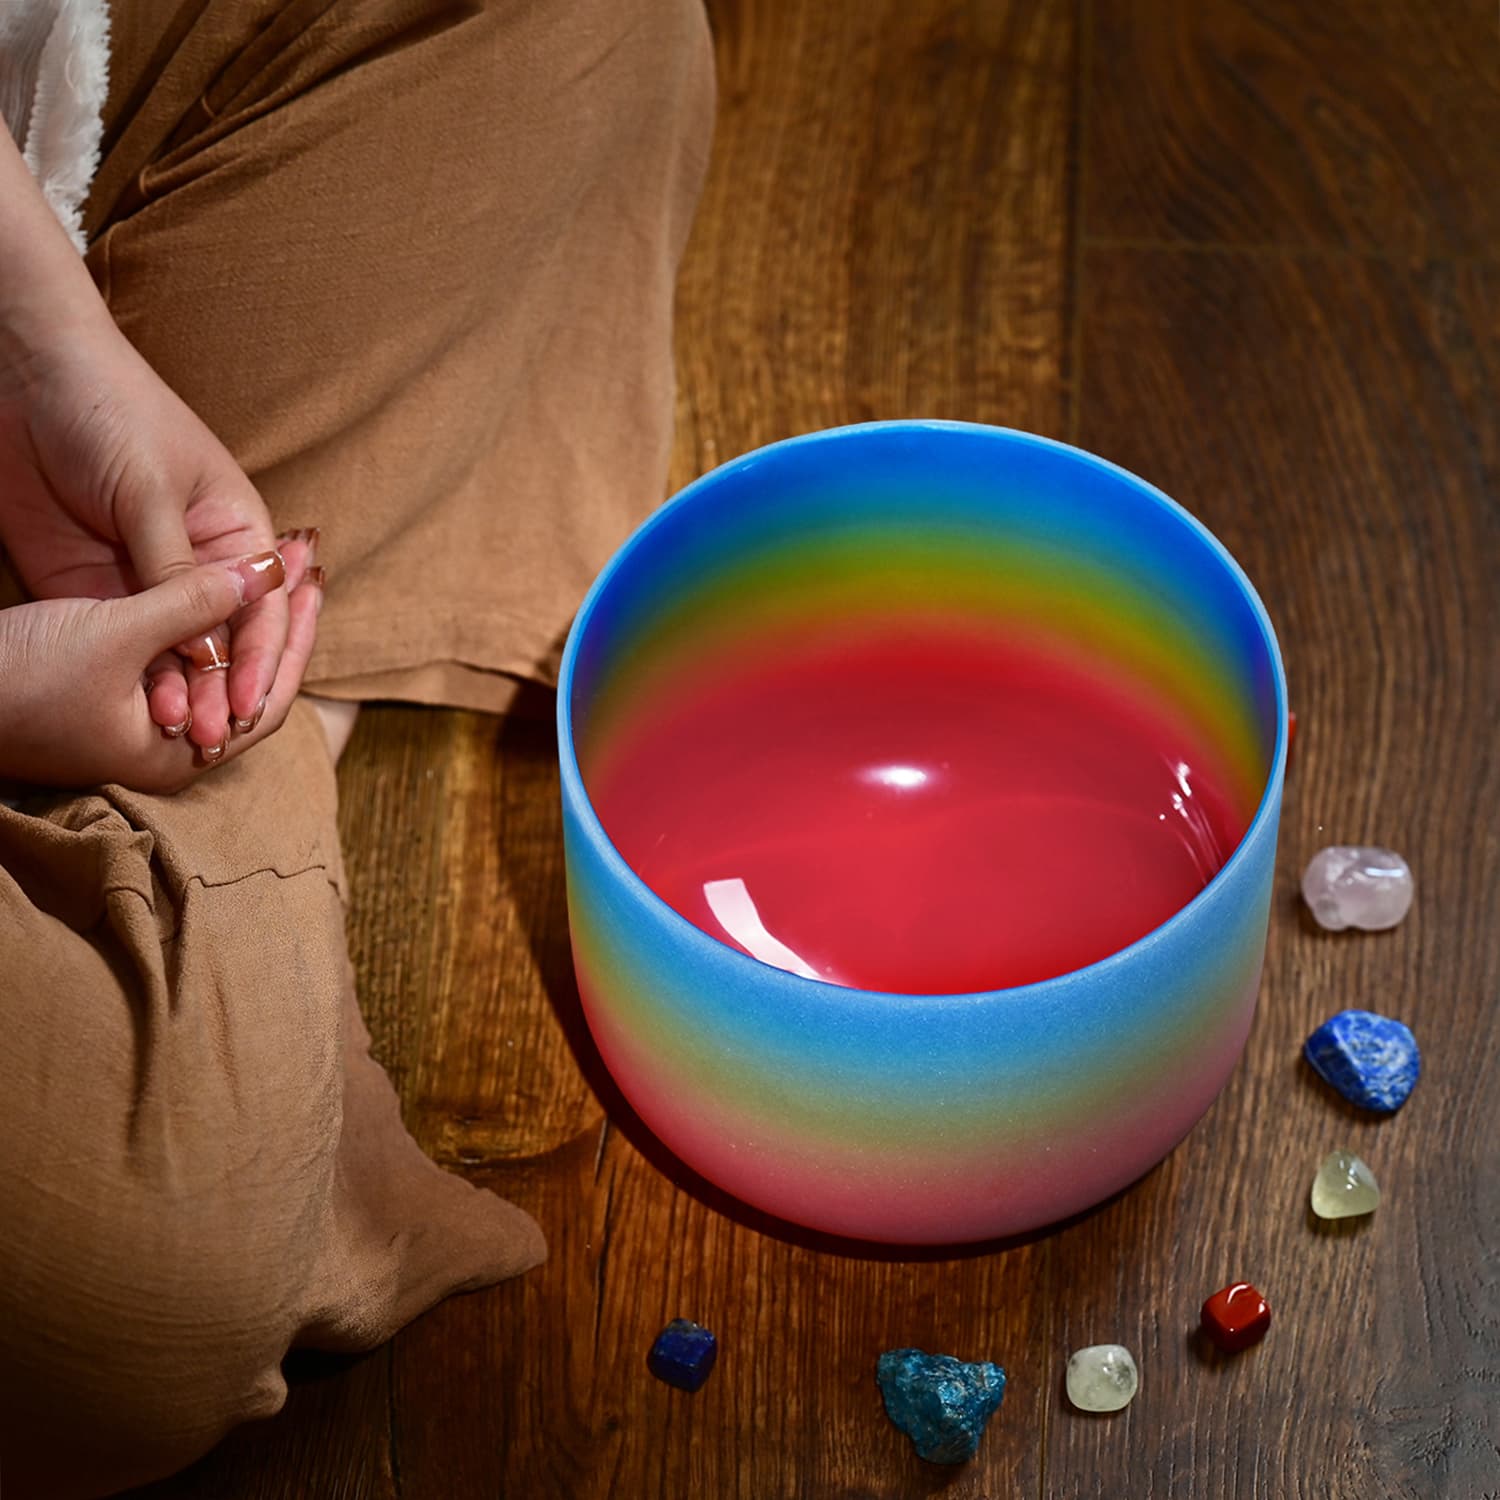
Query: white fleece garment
{"type": "Point", "coordinates": [54, 76]}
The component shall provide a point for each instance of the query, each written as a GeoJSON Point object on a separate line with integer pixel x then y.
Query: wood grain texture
{"type": "Point", "coordinates": [918, 210]}
{"type": "Point", "coordinates": [1333, 420]}
{"type": "Point", "coordinates": [885, 224]}
{"type": "Point", "coordinates": [1368, 126]}
{"type": "Point", "coordinates": [456, 1000]}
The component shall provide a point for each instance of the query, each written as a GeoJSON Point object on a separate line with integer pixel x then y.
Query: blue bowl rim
{"type": "Point", "coordinates": [1057, 987]}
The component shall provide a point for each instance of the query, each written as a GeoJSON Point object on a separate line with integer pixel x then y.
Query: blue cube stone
{"type": "Point", "coordinates": [940, 1403]}
{"type": "Point", "coordinates": [683, 1354]}
{"type": "Point", "coordinates": [1371, 1060]}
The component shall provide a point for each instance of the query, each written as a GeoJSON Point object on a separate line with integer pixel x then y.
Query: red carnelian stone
{"type": "Point", "coordinates": [1236, 1317]}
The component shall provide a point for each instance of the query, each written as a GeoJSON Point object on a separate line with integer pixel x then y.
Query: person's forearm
{"type": "Point", "coordinates": [45, 291]}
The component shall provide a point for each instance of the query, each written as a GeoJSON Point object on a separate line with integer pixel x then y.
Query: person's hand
{"type": "Point", "coordinates": [109, 484]}
{"type": "Point", "coordinates": [72, 709]}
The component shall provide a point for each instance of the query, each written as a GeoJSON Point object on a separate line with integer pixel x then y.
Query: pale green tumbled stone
{"type": "Point", "coordinates": [1344, 1187]}
{"type": "Point", "coordinates": [1102, 1377]}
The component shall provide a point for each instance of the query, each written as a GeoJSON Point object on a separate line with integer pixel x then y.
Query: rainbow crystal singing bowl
{"type": "Point", "coordinates": [916, 1118]}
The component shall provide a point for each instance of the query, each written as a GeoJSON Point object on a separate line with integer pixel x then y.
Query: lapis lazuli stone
{"type": "Point", "coordinates": [940, 1403]}
{"type": "Point", "coordinates": [1371, 1060]}
{"type": "Point", "coordinates": [683, 1354]}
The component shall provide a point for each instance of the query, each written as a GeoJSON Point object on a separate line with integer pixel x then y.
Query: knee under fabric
{"type": "Point", "coordinates": [203, 1165]}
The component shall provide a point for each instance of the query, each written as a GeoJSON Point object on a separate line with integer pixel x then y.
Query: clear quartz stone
{"type": "Point", "coordinates": [1344, 1187]}
{"type": "Point", "coordinates": [1349, 885]}
{"type": "Point", "coordinates": [1102, 1377]}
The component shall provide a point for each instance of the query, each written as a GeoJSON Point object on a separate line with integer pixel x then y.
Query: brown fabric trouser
{"type": "Point", "coordinates": [413, 262]}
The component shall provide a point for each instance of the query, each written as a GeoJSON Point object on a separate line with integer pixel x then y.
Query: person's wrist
{"type": "Point", "coordinates": [46, 292]}
{"type": "Point", "coordinates": [33, 333]}
{"type": "Point", "coordinates": [17, 710]}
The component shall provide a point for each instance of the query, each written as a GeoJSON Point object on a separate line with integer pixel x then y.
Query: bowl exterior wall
{"type": "Point", "coordinates": [915, 1119]}
{"type": "Point", "coordinates": [919, 1118]}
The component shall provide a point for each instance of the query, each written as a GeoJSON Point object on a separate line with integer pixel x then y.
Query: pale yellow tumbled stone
{"type": "Point", "coordinates": [1344, 1187]}
{"type": "Point", "coordinates": [1102, 1377]}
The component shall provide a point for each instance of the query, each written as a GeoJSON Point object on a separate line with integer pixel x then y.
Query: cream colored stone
{"type": "Point", "coordinates": [1102, 1377]}
{"type": "Point", "coordinates": [1344, 1187]}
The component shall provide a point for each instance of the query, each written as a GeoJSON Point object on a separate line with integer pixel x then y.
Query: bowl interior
{"type": "Point", "coordinates": [822, 702]}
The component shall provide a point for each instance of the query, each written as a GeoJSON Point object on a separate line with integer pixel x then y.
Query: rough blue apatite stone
{"type": "Point", "coordinates": [940, 1403]}
{"type": "Point", "coordinates": [1371, 1060]}
{"type": "Point", "coordinates": [683, 1354]}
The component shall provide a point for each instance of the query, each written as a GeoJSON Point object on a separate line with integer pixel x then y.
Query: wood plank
{"type": "Point", "coordinates": [1363, 124]}
{"type": "Point", "coordinates": [1334, 422]}
{"type": "Point", "coordinates": [458, 927]}
{"type": "Point", "coordinates": [884, 227]}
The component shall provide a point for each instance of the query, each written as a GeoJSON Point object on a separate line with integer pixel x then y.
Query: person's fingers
{"type": "Point", "coordinates": [160, 548]}
{"type": "Point", "coordinates": [156, 536]}
{"type": "Point", "coordinates": [259, 635]}
{"type": "Point", "coordinates": [299, 550]}
{"type": "Point", "coordinates": [167, 696]}
{"type": "Point", "coordinates": [208, 652]}
{"type": "Point", "coordinates": [192, 603]}
{"type": "Point", "coordinates": [188, 604]}
{"type": "Point", "coordinates": [208, 698]}
{"type": "Point", "coordinates": [303, 606]}
{"type": "Point", "coordinates": [301, 636]}
{"type": "Point", "coordinates": [302, 633]}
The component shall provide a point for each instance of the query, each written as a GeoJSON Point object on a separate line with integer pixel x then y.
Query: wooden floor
{"type": "Point", "coordinates": [1251, 250]}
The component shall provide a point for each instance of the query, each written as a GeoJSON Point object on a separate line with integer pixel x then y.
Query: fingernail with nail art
{"type": "Point", "coordinates": [260, 574]}
{"type": "Point", "coordinates": [213, 754]}
{"type": "Point", "coordinates": [310, 536]}
{"type": "Point", "coordinates": [247, 726]}
{"type": "Point", "coordinates": [209, 653]}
